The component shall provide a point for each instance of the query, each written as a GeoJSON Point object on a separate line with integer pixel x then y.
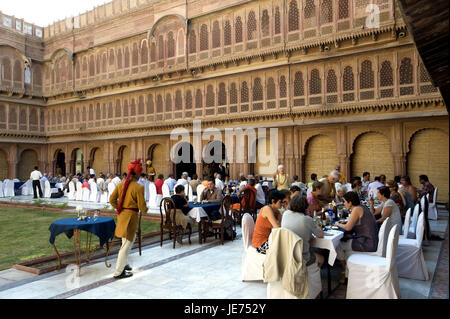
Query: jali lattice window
{"type": "Point", "coordinates": [204, 38]}
{"type": "Point", "coordinates": [227, 33]}
{"type": "Point", "coordinates": [159, 104]}
{"type": "Point", "coordinates": [222, 94]}
{"type": "Point", "coordinates": [331, 82]}
{"type": "Point", "coordinates": [244, 92]}
{"type": "Point", "coordinates": [216, 35]}
{"type": "Point", "coordinates": [210, 96]}
{"type": "Point", "coordinates": [188, 100]}
{"type": "Point", "coordinates": [233, 93]}
{"type": "Point", "coordinates": [192, 42]}
{"type": "Point", "coordinates": [178, 100]}
{"type": "Point", "coordinates": [168, 102]}
{"type": "Point", "coordinates": [238, 30]}
{"type": "Point", "coordinates": [293, 16]}
{"type": "Point", "coordinates": [150, 104]}
{"type": "Point", "coordinates": [315, 86]}
{"type": "Point", "coordinates": [283, 87]}
{"type": "Point", "coordinates": [198, 99]}
{"type": "Point", "coordinates": [257, 90]}
{"type": "Point", "coordinates": [265, 24]}
{"type": "Point", "coordinates": [366, 76]}
{"type": "Point", "coordinates": [251, 26]}
{"type": "Point", "coordinates": [170, 45]}
{"type": "Point", "coordinates": [270, 89]}
{"type": "Point", "coordinates": [277, 21]}
{"type": "Point", "coordinates": [299, 87]}
{"type": "Point", "coordinates": [326, 11]}
{"type": "Point", "coordinates": [343, 9]}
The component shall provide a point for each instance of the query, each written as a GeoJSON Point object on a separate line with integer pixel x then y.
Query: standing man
{"type": "Point", "coordinates": [365, 182]}
{"type": "Point", "coordinates": [328, 190]}
{"type": "Point", "coordinates": [343, 179]}
{"type": "Point", "coordinates": [128, 199]}
{"type": "Point", "coordinates": [36, 178]}
{"type": "Point", "coordinates": [427, 188]}
{"type": "Point", "coordinates": [151, 172]}
{"type": "Point", "coordinates": [91, 170]}
{"type": "Point", "coordinates": [281, 180]}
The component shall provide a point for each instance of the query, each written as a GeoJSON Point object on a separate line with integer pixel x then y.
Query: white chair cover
{"type": "Point", "coordinates": [79, 193]}
{"type": "Point", "coordinates": [275, 289]}
{"type": "Point", "coordinates": [154, 198]}
{"type": "Point", "coordinates": [383, 234]}
{"type": "Point", "coordinates": [252, 261]}
{"type": "Point", "coordinates": [308, 191]}
{"type": "Point", "coordinates": [188, 192]}
{"type": "Point", "coordinates": [94, 194]}
{"type": "Point", "coordinates": [72, 192]}
{"type": "Point", "coordinates": [47, 190]}
{"type": "Point", "coordinates": [1, 189]}
{"type": "Point", "coordinates": [374, 277]}
{"type": "Point", "coordinates": [27, 188]}
{"type": "Point", "coordinates": [111, 187]}
{"type": "Point", "coordinates": [406, 224]}
{"type": "Point", "coordinates": [348, 186]}
{"type": "Point", "coordinates": [165, 190]}
{"type": "Point", "coordinates": [8, 188]}
{"type": "Point", "coordinates": [432, 207]}
{"type": "Point", "coordinates": [200, 189]}
{"type": "Point", "coordinates": [410, 260]}
{"type": "Point", "coordinates": [412, 225]}
{"type": "Point", "coordinates": [146, 193]}
{"type": "Point", "coordinates": [86, 194]}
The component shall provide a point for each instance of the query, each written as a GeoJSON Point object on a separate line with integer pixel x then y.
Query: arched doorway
{"type": "Point", "coordinates": [59, 163]}
{"type": "Point", "coordinates": [77, 164]}
{"type": "Point", "coordinates": [320, 157]}
{"type": "Point", "coordinates": [428, 155]}
{"type": "Point", "coordinates": [3, 165]}
{"type": "Point", "coordinates": [97, 161]}
{"type": "Point", "coordinates": [123, 159]}
{"type": "Point", "coordinates": [372, 153]}
{"type": "Point", "coordinates": [214, 153]}
{"type": "Point", "coordinates": [184, 166]}
{"type": "Point", "coordinates": [156, 155]}
{"type": "Point", "coordinates": [28, 160]}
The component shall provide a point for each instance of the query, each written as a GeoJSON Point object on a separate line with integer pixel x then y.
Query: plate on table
{"type": "Point", "coordinates": [328, 234]}
{"type": "Point", "coordinates": [334, 227]}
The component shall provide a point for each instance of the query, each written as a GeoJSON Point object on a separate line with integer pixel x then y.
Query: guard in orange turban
{"type": "Point", "coordinates": [128, 199]}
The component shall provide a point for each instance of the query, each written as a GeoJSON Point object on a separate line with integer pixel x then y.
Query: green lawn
{"type": "Point", "coordinates": [24, 234]}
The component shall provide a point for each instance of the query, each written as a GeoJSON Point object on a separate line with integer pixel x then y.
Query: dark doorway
{"type": "Point", "coordinates": [189, 167]}
{"type": "Point", "coordinates": [60, 167]}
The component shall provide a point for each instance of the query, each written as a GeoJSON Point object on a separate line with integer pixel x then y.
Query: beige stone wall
{"type": "Point", "coordinates": [321, 157]}
{"type": "Point", "coordinates": [428, 155]}
{"type": "Point", "coordinates": [3, 165]}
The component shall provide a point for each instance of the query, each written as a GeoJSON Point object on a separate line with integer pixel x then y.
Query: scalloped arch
{"type": "Point", "coordinates": [155, 25]}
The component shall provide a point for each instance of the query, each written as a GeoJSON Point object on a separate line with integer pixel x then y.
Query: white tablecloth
{"type": "Point", "coordinates": [197, 213]}
{"type": "Point", "coordinates": [330, 243]}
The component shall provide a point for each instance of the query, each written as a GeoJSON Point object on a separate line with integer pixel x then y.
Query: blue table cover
{"type": "Point", "coordinates": [212, 209]}
{"type": "Point", "coordinates": [103, 227]}
{"type": "Point", "coordinates": [17, 185]}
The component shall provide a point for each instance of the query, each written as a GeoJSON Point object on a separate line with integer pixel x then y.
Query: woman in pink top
{"type": "Point", "coordinates": [313, 202]}
{"type": "Point", "coordinates": [85, 184]}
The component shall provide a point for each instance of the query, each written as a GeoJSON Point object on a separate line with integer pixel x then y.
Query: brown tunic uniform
{"type": "Point", "coordinates": [127, 220]}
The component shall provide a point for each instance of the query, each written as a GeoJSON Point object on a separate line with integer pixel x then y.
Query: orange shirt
{"type": "Point", "coordinates": [252, 196]}
{"type": "Point", "coordinates": [262, 230]}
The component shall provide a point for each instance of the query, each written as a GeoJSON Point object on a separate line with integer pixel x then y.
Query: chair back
{"type": "Point", "coordinates": [168, 207]}
{"type": "Point", "coordinates": [94, 191]}
{"type": "Point", "coordinates": [47, 190]}
{"type": "Point", "coordinates": [152, 194]}
{"type": "Point", "coordinates": [165, 190]}
{"type": "Point", "coordinates": [1, 189]}
{"type": "Point", "coordinates": [420, 229]}
{"type": "Point", "coordinates": [188, 192]}
{"type": "Point", "coordinates": [79, 194]}
{"type": "Point", "coordinates": [71, 191]}
{"type": "Point", "coordinates": [383, 237]}
{"type": "Point", "coordinates": [297, 250]}
{"type": "Point", "coordinates": [435, 195]}
{"type": "Point", "coordinates": [392, 245]}
{"type": "Point", "coordinates": [111, 187]}
{"type": "Point", "coordinates": [412, 226]}
{"type": "Point", "coordinates": [225, 207]}
{"type": "Point", "coordinates": [406, 223]}
{"type": "Point", "coordinates": [247, 226]}
{"type": "Point", "coordinates": [200, 189]}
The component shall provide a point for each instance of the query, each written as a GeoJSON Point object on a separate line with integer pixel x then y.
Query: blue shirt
{"type": "Point", "coordinates": [171, 183]}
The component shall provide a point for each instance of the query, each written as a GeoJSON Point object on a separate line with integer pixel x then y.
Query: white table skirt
{"type": "Point", "coordinates": [330, 243]}
{"type": "Point", "coordinates": [59, 185]}
{"type": "Point", "coordinates": [197, 213]}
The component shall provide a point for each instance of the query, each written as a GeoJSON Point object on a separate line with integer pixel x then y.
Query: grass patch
{"type": "Point", "coordinates": [24, 234]}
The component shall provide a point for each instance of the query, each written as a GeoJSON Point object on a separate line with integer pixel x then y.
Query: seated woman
{"type": "Point", "coordinates": [409, 192]}
{"type": "Point", "coordinates": [388, 208]}
{"type": "Point", "coordinates": [313, 202]}
{"type": "Point", "coordinates": [363, 228]}
{"type": "Point", "coordinates": [356, 187]}
{"type": "Point", "coordinates": [304, 226]}
{"type": "Point", "coordinates": [269, 217]}
{"type": "Point", "coordinates": [397, 197]}
{"type": "Point", "coordinates": [339, 198]}
{"type": "Point", "coordinates": [182, 209]}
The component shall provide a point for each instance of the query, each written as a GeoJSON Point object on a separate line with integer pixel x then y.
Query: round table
{"type": "Point", "coordinates": [101, 226]}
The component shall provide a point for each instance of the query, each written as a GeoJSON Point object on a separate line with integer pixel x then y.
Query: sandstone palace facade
{"type": "Point", "coordinates": [109, 85]}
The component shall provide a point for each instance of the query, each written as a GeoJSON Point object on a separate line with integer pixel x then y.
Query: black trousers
{"type": "Point", "coordinates": [37, 184]}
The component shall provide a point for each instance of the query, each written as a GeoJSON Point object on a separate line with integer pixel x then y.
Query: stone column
{"type": "Point", "coordinates": [12, 170]}
{"type": "Point", "coordinates": [399, 164]}
{"type": "Point", "coordinates": [199, 169]}
{"type": "Point", "coordinates": [344, 161]}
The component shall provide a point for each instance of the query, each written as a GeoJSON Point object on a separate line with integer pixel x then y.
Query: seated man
{"type": "Point", "coordinates": [212, 195]}
{"type": "Point", "coordinates": [428, 188]}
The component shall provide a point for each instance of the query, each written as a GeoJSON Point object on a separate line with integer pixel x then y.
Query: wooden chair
{"type": "Point", "coordinates": [169, 224]}
{"type": "Point", "coordinates": [218, 226]}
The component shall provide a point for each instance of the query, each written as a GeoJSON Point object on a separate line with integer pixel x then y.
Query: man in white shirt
{"type": "Point", "coordinates": [219, 184]}
{"type": "Point", "coordinates": [36, 176]}
{"type": "Point", "coordinates": [183, 180]}
{"type": "Point", "coordinates": [116, 180]}
{"type": "Point", "coordinates": [365, 182]}
{"type": "Point", "coordinates": [260, 196]}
